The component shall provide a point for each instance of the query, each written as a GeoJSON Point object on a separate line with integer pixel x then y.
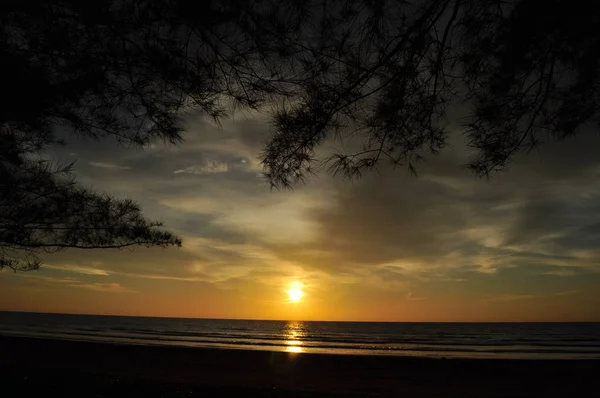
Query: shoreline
{"type": "Point", "coordinates": [262, 371]}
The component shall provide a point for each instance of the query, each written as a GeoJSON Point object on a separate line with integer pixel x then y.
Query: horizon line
{"type": "Point", "coordinates": [283, 320]}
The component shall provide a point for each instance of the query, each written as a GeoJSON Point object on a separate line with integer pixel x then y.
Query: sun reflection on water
{"type": "Point", "coordinates": [294, 333]}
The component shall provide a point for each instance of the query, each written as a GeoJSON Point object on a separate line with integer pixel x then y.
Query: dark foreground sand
{"type": "Point", "coordinates": [42, 368]}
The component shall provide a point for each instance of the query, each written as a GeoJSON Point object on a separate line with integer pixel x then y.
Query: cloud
{"type": "Point", "coordinates": [44, 278]}
{"type": "Point", "coordinates": [91, 270]}
{"type": "Point", "coordinates": [78, 269]}
{"type": "Point", "coordinates": [146, 263]}
{"type": "Point", "coordinates": [210, 167]}
{"type": "Point", "coordinates": [256, 214]}
{"type": "Point", "coordinates": [445, 222]}
{"type": "Point", "coordinates": [110, 166]}
{"type": "Point", "coordinates": [518, 297]}
{"type": "Point", "coordinates": [166, 277]}
{"type": "Point", "coordinates": [567, 293]}
{"type": "Point", "coordinates": [104, 287]}
{"type": "Point", "coordinates": [411, 297]}
{"type": "Point", "coordinates": [510, 297]}
{"type": "Point", "coordinates": [560, 272]}
{"type": "Point", "coordinates": [412, 227]}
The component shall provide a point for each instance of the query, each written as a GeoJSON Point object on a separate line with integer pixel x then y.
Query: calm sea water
{"type": "Point", "coordinates": [458, 340]}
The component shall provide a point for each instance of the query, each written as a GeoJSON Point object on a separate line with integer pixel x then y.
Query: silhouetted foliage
{"type": "Point", "coordinates": [381, 73]}
{"type": "Point", "coordinates": [389, 71]}
{"type": "Point", "coordinates": [43, 209]}
{"type": "Point", "coordinates": [115, 69]}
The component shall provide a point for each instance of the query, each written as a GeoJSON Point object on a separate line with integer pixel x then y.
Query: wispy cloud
{"type": "Point", "coordinates": [165, 277]}
{"type": "Point", "coordinates": [211, 167]}
{"type": "Point", "coordinates": [561, 272]}
{"type": "Point", "coordinates": [411, 297]}
{"type": "Point", "coordinates": [567, 293]}
{"type": "Point", "coordinates": [103, 272]}
{"type": "Point", "coordinates": [78, 269]}
{"type": "Point", "coordinates": [110, 166]}
{"type": "Point", "coordinates": [502, 298]}
{"type": "Point", "coordinates": [105, 287]}
{"type": "Point", "coordinates": [44, 278]}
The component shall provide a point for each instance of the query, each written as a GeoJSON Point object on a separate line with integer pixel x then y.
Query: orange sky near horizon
{"type": "Point", "coordinates": [328, 302]}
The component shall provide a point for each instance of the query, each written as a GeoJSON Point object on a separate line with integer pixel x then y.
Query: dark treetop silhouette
{"type": "Point", "coordinates": [382, 74]}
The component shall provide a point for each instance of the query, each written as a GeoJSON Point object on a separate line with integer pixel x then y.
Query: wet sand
{"type": "Point", "coordinates": [30, 367]}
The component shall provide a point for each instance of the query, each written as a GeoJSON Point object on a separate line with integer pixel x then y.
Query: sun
{"type": "Point", "coordinates": [295, 292]}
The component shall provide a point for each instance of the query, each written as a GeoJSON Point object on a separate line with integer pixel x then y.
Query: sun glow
{"type": "Point", "coordinates": [295, 292]}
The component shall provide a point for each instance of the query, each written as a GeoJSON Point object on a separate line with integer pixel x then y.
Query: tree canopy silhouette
{"type": "Point", "coordinates": [524, 71]}
{"type": "Point", "coordinates": [381, 73]}
{"type": "Point", "coordinates": [117, 69]}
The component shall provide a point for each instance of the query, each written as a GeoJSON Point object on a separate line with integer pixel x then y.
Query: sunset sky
{"type": "Point", "coordinates": [441, 246]}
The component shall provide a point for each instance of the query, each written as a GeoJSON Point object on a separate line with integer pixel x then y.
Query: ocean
{"type": "Point", "coordinates": [450, 340]}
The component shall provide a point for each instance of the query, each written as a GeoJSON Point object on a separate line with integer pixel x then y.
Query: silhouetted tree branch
{"type": "Point", "coordinates": [526, 70]}
{"type": "Point", "coordinates": [125, 70]}
{"type": "Point", "coordinates": [42, 209]}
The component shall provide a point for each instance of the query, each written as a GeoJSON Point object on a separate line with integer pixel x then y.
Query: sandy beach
{"type": "Point", "coordinates": [71, 368]}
